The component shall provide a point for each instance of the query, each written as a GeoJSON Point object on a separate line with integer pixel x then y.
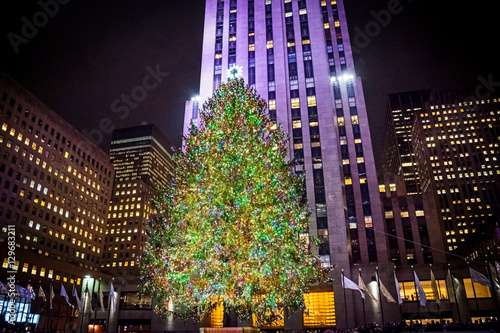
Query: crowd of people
{"type": "Point", "coordinates": [433, 326]}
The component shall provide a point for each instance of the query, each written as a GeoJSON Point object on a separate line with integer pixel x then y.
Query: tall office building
{"type": "Point", "coordinates": [55, 187]}
{"type": "Point", "coordinates": [399, 156]}
{"type": "Point", "coordinates": [456, 140]}
{"type": "Point", "coordinates": [298, 56]}
{"type": "Point", "coordinates": [141, 157]}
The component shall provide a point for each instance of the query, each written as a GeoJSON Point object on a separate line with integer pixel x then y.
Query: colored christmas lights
{"type": "Point", "coordinates": [228, 228]}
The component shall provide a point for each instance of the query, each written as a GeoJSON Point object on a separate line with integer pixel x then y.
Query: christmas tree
{"type": "Point", "coordinates": [232, 227]}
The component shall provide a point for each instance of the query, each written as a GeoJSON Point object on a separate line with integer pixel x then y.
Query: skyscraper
{"type": "Point", "coordinates": [141, 156]}
{"type": "Point", "coordinates": [298, 56]}
{"type": "Point", "coordinates": [456, 140]}
{"type": "Point", "coordinates": [399, 156]}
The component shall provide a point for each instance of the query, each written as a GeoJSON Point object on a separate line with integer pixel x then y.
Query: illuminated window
{"type": "Point", "coordinates": [311, 100]}
{"type": "Point", "coordinates": [392, 187]}
{"type": "Point", "coordinates": [408, 292]}
{"type": "Point", "coordinates": [272, 104]}
{"type": "Point", "coordinates": [389, 214]}
{"type": "Point", "coordinates": [295, 103]}
{"type": "Point", "coordinates": [354, 120]}
{"type": "Point", "coordinates": [25, 267]}
{"type": "Point", "coordinates": [340, 121]}
{"type": "Point", "coordinates": [348, 181]}
{"type": "Point", "coordinates": [481, 291]}
{"type": "Point", "coordinates": [381, 188]}
{"type": "Point", "coordinates": [297, 124]}
{"type": "Point", "coordinates": [34, 269]}
{"type": "Point", "coordinates": [320, 309]}
{"type": "Point", "coordinates": [269, 44]}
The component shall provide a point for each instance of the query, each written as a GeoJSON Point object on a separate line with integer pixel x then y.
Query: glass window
{"type": "Point", "coordinates": [132, 301]}
{"type": "Point", "coordinates": [320, 309]}
{"type": "Point", "coordinates": [481, 291]}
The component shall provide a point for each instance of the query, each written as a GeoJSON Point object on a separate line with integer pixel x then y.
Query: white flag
{"type": "Point", "coordinates": [398, 290]}
{"type": "Point", "coordinates": [494, 276]}
{"type": "Point", "coordinates": [362, 286]}
{"type": "Point", "coordinates": [452, 285]}
{"type": "Point", "coordinates": [52, 295]}
{"type": "Point", "coordinates": [435, 288]}
{"type": "Point", "coordinates": [113, 297]}
{"type": "Point", "coordinates": [477, 277]}
{"type": "Point", "coordinates": [41, 294]}
{"type": "Point", "coordinates": [101, 299]}
{"type": "Point", "coordinates": [386, 292]}
{"type": "Point", "coordinates": [346, 283]}
{"type": "Point", "coordinates": [421, 293]}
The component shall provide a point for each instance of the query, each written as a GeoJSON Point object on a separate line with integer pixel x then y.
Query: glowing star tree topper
{"type": "Point", "coordinates": [234, 72]}
{"type": "Point", "coordinates": [230, 228]}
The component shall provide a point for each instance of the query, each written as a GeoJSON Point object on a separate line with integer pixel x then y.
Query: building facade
{"type": "Point", "coordinates": [298, 56]}
{"type": "Point", "coordinates": [456, 141]}
{"type": "Point", "coordinates": [141, 157]}
{"type": "Point", "coordinates": [55, 189]}
{"type": "Point", "coordinates": [399, 155]}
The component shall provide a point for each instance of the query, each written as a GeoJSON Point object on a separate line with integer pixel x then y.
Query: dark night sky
{"type": "Point", "coordinates": [91, 52]}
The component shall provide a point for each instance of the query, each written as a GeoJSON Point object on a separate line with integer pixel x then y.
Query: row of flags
{"type": "Point", "coordinates": [29, 293]}
{"type": "Point", "coordinates": [452, 285]}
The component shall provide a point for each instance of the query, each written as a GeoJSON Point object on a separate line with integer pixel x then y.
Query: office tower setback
{"type": "Point", "coordinates": [399, 156]}
{"type": "Point", "coordinates": [456, 140]}
{"type": "Point", "coordinates": [141, 157]}
{"type": "Point", "coordinates": [55, 190]}
{"type": "Point", "coordinates": [298, 56]}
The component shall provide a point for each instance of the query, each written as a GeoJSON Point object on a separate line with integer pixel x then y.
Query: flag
{"type": "Point", "coordinates": [435, 288]}
{"type": "Point", "coordinates": [101, 299]}
{"type": "Point", "coordinates": [452, 285]}
{"type": "Point", "coordinates": [30, 292]}
{"type": "Point", "coordinates": [421, 293]}
{"type": "Point", "coordinates": [52, 295]}
{"type": "Point", "coordinates": [398, 290]}
{"type": "Point", "coordinates": [113, 297]}
{"type": "Point", "coordinates": [65, 295]}
{"type": "Point", "coordinates": [3, 288]}
{"type": "Point", "coordinates": [41, 294]}
{"type": "Point", "coordinates": [494, 277]}
{"type": "Point", "coordinates": [386, 292]}
{"type": "Point", "coordinates": [477, 277]}
{"type": "Point", "coordinates": [78, 302]}
{"type": "Point", "coordinates": [362, 286]}
{"type": "Point", "coordinates": [346, 283]}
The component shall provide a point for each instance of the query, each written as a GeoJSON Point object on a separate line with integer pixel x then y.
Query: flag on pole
{"type": "Point", "coordinates": [3, 288]}
{"type": "Point", "coordinates": [65, 295]}
{"type": "Point", "coordinates": [78, 302]}
{"type": "Point", "coordinates": [398, 290]}
{"type": "Point", "coordinates": [101, 299]}
{"type": "Point", "coordinates": [23, 293]}
{"type": "Point", "coordinates": [348, 284]}
{"type": "Point", "coordinates": [452, 287]}
{"type": "Point", "coordinates": [41, 294]}
{"type": "Point", "coordinates": [386, 292]}
{"type": "Point", "coordinates": [421, 293]}
{"type": "Point", "coordinates": [30, 292]}
{"type": "Point", "coordinates": [477, 277]}
{"type": "Point", "coordinates": [52, 295]}
{"type": "Point", "coordinates": [494, 276]}
{"type": "Point", "coordinates": [435, 288]}
{"type": "Point", "coordinates": [113, 297]}
{"type": "Point", "coordinates": [362, 286]}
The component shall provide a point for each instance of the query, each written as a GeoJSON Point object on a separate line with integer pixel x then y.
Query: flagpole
{"type": "Point", "coordinates": [36, 300]}
{"type": "Point", "coordinates": [82, 317]}
{"type": "Point", "coordinates": [49, 301]}
{"type": "Point", "coordinates": [95, 311]}
{"type": "Point", "coordinates": [454, 292]}
{"type": "Point", "coordinates": [345, 301]}
{"type": "Point", "coordinates": [398, 296]}
{"type": "Point", "coordinates": [473, 288]}
{"type": "Point", "coordinates": [380, 297]}
{"type": "Point", "coordinates": [438, 299]}
{"type": "Point", "coordinates": [363, 301]}
{"type": "Point", "coordinates": [59, 308]}
{"type": "Point", "coordinates": [490, 276]}
{"type": "Point", "coordinates": [417, 295]}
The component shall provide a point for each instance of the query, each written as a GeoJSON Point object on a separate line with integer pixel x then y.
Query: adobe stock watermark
{"type": "Point", "coordinates": [381, 19]}
{"type": "Point", "coordinates": [122, 105]}
{"type": "Point", "coordinates": [29, 29]}
{"type": "Point", "coordinates": [483, 90]}
{"type": "Point", "coordinates": [11, 279]}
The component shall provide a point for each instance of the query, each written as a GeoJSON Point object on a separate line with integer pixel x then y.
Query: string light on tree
{"type": "Point", "coordinates": [231, 226]}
